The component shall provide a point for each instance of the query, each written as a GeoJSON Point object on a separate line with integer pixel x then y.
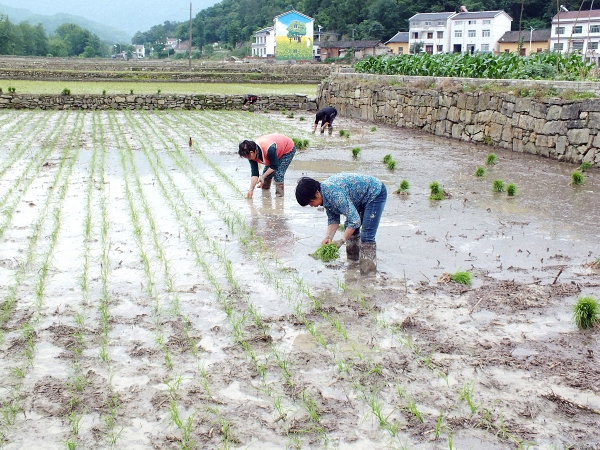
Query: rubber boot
{"type": "Point", "coordinates": [267, 183]}
{"type": "Point", "coordinates": [330, 130]}
{"type": "Point", "coordinates": [368, 258]}
{"type": "Point", "coordinates": [353, 248]}
{"type": "Point", "coordinates": [279, 189]}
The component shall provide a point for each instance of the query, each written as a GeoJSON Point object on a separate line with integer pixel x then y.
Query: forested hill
{"type": "Point", "coordinates": [235, 21]}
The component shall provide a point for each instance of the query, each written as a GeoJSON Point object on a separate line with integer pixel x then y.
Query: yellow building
{"type": "Point", "coordinates": [399, 43]}
{"type": "Point", "coordinates": [534, 41]}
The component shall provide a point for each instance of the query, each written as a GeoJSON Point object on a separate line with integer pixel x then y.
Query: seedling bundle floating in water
{"type": "Point", "coordinates": [327, 252]}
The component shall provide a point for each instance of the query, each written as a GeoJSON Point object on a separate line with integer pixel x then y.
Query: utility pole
{"type": "Point", "coordinates": [530, 38]}
{"type": "Point", "coordinates": [190, 53]}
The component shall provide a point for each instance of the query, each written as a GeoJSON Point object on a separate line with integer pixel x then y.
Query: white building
{"type": "Point", "coordinates": [480, 31]}
{"type": "Point", "coordinates": [264, 45]}
{"type": "Point", "coordinates": [577, 31]}
{"type": "Point", "coordinates": [432, 30]}
{"type": "Point", "coordinates": [139, 51]}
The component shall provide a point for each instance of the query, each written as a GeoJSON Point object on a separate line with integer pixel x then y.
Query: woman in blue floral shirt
{"type": "Point", "coordinates": [361, 199]}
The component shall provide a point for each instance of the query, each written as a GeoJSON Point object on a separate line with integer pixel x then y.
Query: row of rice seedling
{"type": "Point", "coordinates": [29, 267]}
{"type": "Point", "coordinates": [17, 188]}
{"type": "Point", "coordinates": [237, 316]}
{"type": "Point", "coordinates": [315, 306]}
{"type": "Point", "coordinates": [16, 129]}
{"type": "Point", "coordinates": [176, 411]}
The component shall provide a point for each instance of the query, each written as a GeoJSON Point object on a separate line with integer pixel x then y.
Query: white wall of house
{"type": "Point", "coordinates": [478, 31]}
{"type": "Point", "coordinates": [432, 30]}
{"type": "Point", "coordinates": [264, 43]}
{"type": "Point", "coordinates": [577, 33]}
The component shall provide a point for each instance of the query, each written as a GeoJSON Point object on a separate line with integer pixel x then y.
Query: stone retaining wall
{"type": "Point", "coordinates": [566, 130]}
{"type": "Point", "coordinates": [153, 101]}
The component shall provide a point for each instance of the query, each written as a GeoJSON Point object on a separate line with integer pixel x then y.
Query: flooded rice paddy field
{"type": "Point", "coordinates": [145, 303]}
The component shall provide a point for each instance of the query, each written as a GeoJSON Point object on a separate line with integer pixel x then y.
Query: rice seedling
{"type": "Point", "coordinates": [511, 190]}
{"type": "Point", "coordinates": [411, 405]}
{"type": "Point", "coordinates": [103, 91]}
{"type": "Point", "coordinates": [461, 277]}
{"type": "Point", "coordinates": [498, 186]}
{"type": "Point", "coordinates": [404, 187]}
{"type": "Point", "coordinates": [391, 165]}
{"type": "Point", "coordinates": [373, 128]}
{"type": "Point", "coordinates": [585, 166]}
{"type": "Point", "coordinates": [301, 119]}
{"type": "Point", "coordinates": [131, 91]}
{"type": "Point", "coordinates": [586, 312]}
{"type": "Point", "coordinates": [343, 133]}
{"type": "Point", "coordinates": [491, 159]}
{"type": "Point", "coordinates": [480, 172]}
{"type": "Point", "coordinates": [11, 90]}
{"type": "Point", "coordinates": [387, 158]}
{"type": "Point", "coordinates": [576, 178]}
{"type": "Point", "coordinates": [290, 115]}
{"type": "Point", "coordinates": [355, 152]}
{"type": "Point", "coordinates": [66, 91]}
{"type": "Point", "coordinates": [158, 91]}
{"type": "Point", "coordinates": [327, 253]}
{"type": "Point", "coordinates": [467, 395]}
{"type": "Point", "coordinates": [436, 192]}
{"type": "Point", "coordinates": [310, 406]}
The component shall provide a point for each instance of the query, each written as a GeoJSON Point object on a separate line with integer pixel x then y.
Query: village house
{"type": "Point", "coordinates": [480, 31]}
{"type": "Point", "coordinates": [577, 31]}
{"type": "Point", "coordinates": [359, 49]}
{"type": "Point", "coordinates": [533, 41]}
{"type": "Point", "coordinates": [264, 43]}
{"type": "Point", "coordinates": [399, 43]}
{"type": "Point", "coordinates": [430, 30]}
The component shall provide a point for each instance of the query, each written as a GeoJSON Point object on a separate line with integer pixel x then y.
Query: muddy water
{"type": "Point", "coordinates": [378, 361]}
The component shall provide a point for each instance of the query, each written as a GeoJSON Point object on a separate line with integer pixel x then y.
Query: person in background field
{"type": "Point", "coordinates": [325, 116]}
{"type": "Point", "coordinates": [361, 198]}
{"type": "Point", "coordinates": [275, 152]}
{"type": "Point", "coordinates": [250, 99]}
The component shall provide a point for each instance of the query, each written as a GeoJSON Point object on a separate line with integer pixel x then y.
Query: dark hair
{"type": "Point", "coordinates": [306, 190]}
{"type": "Point", "coordinates": [245, 148]}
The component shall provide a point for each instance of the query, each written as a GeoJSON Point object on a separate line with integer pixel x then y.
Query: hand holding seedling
{"type": "Point", "coordinates": [339, 242]}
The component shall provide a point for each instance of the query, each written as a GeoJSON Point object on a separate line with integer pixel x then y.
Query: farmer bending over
{"type": "Point", "coordinates": [361, 198]}
{"type": "Point", "coordinates": [325, 116]}
{"type": "Point", "coordinates": [275, 152]}
{"type": "Point", "coordinates": [250, 99]}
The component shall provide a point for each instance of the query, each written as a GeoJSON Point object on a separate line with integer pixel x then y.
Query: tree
{"type": "Point", "coordinates": [416, 47]}
{"type": "Point", "coordinates": [89, 52]}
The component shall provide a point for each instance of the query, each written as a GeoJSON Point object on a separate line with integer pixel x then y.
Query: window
{"type": "Point", "coordinates": [429, 49]}
{"type": "Point", "coordinates": [427, 23]}
{"type": "Point", "coordinates": [459, 22]}
{"type": "Point", "coordinates": [522, 52]}
{"type": "Point", "coordinates": [578, 29]}
{"type": "Point", "coordinates": [440, 48]}
{"type": "Point", "coordinates": [416, 35]}
{"type": "Point", "coordinates": [415, 23]}
{"type": "Point", "coordinates": [539, 50]}
{"type": "Point", "coordinates": [472, 33]}
{"type": "Point", "coordinates": [577, 45]}
{"type": "Point", "coordinates": [457, 33]}
{"type": "Point", "coordinates": [595, 29]}
{"type": "Point", "coordinates": [486, 22]}
{"type": "Point", "coordinates": [440, 34]}
{"type": "Point", "coordinates": [472, 22]}
{"type": "Point", "coordinates": [485, 33]}
{"type": "Point", "coordinates": [592, 46]}
{"type": "Point", "coordinates": [440, 23]}
{"type": "Point", "coordinates": [560, 30]}
{"type": "Point", "coordinates": [558, 47]}
{"type": "Point", "coordinates": [485, 47]}
{"type": "Point", "coordinates": [430, 35]}
{"type": "Point", "coordinates": [400, 50]}
{"type": "Point", "coordinates": [506, 50]}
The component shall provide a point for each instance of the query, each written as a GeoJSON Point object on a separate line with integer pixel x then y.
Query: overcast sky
{"type": "Point", "coordinates": [127, 15]}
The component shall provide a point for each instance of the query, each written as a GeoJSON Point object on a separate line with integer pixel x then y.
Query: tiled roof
{"type": "Point", "coordinates": [350, 44]}
{"type": "Point", "coordinates": [476, 15]}
{"type": "Point", "coordinates": [536, 36]}
{"type": "Point", "coordinates": [571, 15]}
{"type": "Point", "coordinates": [265, 30]}
{"type": "Point", "coordinates": [432, 16]}
{"type": "Point", "coordinates": [400, 36]}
